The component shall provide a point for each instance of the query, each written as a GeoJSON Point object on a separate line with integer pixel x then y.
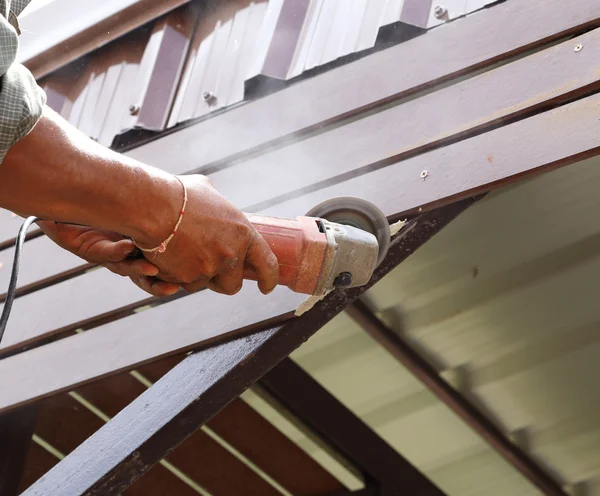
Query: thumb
{"type": "Point", "coordinates": [106, 250]}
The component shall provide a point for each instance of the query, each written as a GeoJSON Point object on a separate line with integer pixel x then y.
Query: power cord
{"type": "Point", "coordinates": [12, 286]}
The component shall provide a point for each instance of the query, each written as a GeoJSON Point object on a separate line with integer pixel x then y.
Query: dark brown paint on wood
{"type": "Point", "coordinates": [205, 382]}
{"type": "Point", "coordinates": [16, 429]}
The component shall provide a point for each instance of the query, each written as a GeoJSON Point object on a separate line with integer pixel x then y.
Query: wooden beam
{"type": "Point", "coordinates": [427, 374]}
{"type": "Point", "coordinates": [305, 398]}
{"type": "Point", "coordinates": [205, 382]}
{"type": "Point", "coordinates": [245, 429]}
{"type": "Point", "coordinates": [239, 425]}
{"type": "Point", "coordinates": [38, 462]}
{"type": "Point", "coordinates": [16, 429]}
{"type": "Point", "coordinates": [65, 423]}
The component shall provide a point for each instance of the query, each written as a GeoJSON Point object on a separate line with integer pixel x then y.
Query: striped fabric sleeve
{"type": "Point", "coordinates": [21, 99]}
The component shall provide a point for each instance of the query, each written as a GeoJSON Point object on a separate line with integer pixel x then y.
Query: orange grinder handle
{"type": "Point", "coordinates": [300, 248]}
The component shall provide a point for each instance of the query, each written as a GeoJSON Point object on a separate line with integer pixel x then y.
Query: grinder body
{"type": "Point", "coordinates": [315, 256]}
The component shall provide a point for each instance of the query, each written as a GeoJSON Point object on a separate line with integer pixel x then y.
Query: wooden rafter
{"type": "Point", "coordinates": [397, 346]}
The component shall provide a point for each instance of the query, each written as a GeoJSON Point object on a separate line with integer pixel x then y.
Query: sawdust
{"type": "Point", "coordinates": [396, 226]}
{"type": "Point", "coordinates": [310, 302]}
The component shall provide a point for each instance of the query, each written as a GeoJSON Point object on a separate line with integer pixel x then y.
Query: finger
{"type": "Point", "coordinates": [229, 280]}
{"type": "Point", "coordinates": [264, 262]}
{"type": "Point", "coordinates": [106, 250]}
{"type": "Point", "coordinates": [154, 286]}
{"type": "Point", "coordinates": [196, 286]}
{"type": "Point", "coordinates": [132, 268]}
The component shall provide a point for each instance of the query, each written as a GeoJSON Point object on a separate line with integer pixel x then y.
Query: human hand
{"type": "Point", "coordinates": [111, 250]}
{"type": "Point", "coordinates": [212, 245]}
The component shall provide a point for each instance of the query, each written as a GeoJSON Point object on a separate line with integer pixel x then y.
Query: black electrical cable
{"type": "Point", "coordinates": [12, 286]}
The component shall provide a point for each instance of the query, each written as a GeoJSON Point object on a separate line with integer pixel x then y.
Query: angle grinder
{"type": "Point", "coordinates": [339, 243]}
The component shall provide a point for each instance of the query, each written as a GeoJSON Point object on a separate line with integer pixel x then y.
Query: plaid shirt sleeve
{"type": "Point", "coordinates": [21, 99]}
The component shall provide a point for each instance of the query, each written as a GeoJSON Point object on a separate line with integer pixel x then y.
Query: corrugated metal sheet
{"type": "Point", "coordinates": [279, 38]}
{"type": "Point", "coordinates": [504, 300]}
{"type": "Point", "coordinates": [196, 59]}
{"type": "Point", "coordinates": [95, 94]}
{"type": "Point", "coordinates": [221, 52]}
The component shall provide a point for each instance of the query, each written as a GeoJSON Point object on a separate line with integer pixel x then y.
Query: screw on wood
{"type": "Point", "coordinates": [440, 12]}
{"type": "Point", "coordinates": [209, 97]}
{"type": "Point", "coordinates": [578, 47]}
{"type": "Point", "coordinates": [424, 174]}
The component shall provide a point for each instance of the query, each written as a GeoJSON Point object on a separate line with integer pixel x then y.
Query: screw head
{"type": "Point", "coordinates": [134, 110]}
{"type": "Point", "coordinates": [439, 12]}
{"type": "Point", "coordinates": [578, 47]}
{"type": "Point", "coordinates": [208, 96]}
{"type": "Point", "coordinates": [424, 174]}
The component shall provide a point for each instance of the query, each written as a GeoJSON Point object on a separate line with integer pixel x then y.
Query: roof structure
{"type": "Point", "coordinates": [468, 367]}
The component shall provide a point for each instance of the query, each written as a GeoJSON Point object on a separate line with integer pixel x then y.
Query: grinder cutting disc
{"type": "Point", "coordinates": [357, 213]}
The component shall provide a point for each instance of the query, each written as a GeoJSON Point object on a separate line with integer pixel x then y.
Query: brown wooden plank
{"type": "Point", "coordinates": [168, 329]}
{"type": "Point", "coordinates": [221, 473]}
{"type": "Point", "coordinates": [241, 426]}
{"type": "Point", "coordinates": [238, 424]}
{"type": "Point", "coordinates": [67, 306]}
{"type": "Point", "coordinates": [200, 458]}
{"type": "Point", "coordinates": [422, 187]}
{"type": "Point", "coordinates": [111, 394]}
{"type": "Point", "coordinates": [158, 481]}
{"type": "Point", "coordinates": [205, 461]}
{"type": "Point", "coordinates": [37, 463]}
{"type": "Point", "coordinates": [41, 258]}
{"type": "Point", "coordinates": [16, 429]}
{"type": "Point", "coordinates": [547, 141]}
{"type": "Point", "coordinates": [364, 145]}
{"type": "Point", "coordinates": [439, 55]}
{"type": "Point", "coordinates": [65, 424]}
{"type": "Point", "coordinates": [445, 116]}
{"type": "Point", "coordinates": [501, 31]}
{"type": "Point", "coordinates": [155, 370]}
{"type": "Point", "coordinates": [193, 153]}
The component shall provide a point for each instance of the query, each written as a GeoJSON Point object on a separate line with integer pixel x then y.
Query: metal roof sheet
{"type": "Point", "coordinates": [198, 58]}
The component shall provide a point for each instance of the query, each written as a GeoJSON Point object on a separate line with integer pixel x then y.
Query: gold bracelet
{"type": "Point", "coordinates": [161, 248]}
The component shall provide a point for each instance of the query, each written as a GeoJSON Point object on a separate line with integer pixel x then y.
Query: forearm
{"type": "Point", "coordinates": [57, 173]}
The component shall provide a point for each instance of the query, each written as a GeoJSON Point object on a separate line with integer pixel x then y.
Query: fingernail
{"type": "Point", "coordinates": [129, 251]}
{"type": "Point", "coordinates": [151, 271]}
